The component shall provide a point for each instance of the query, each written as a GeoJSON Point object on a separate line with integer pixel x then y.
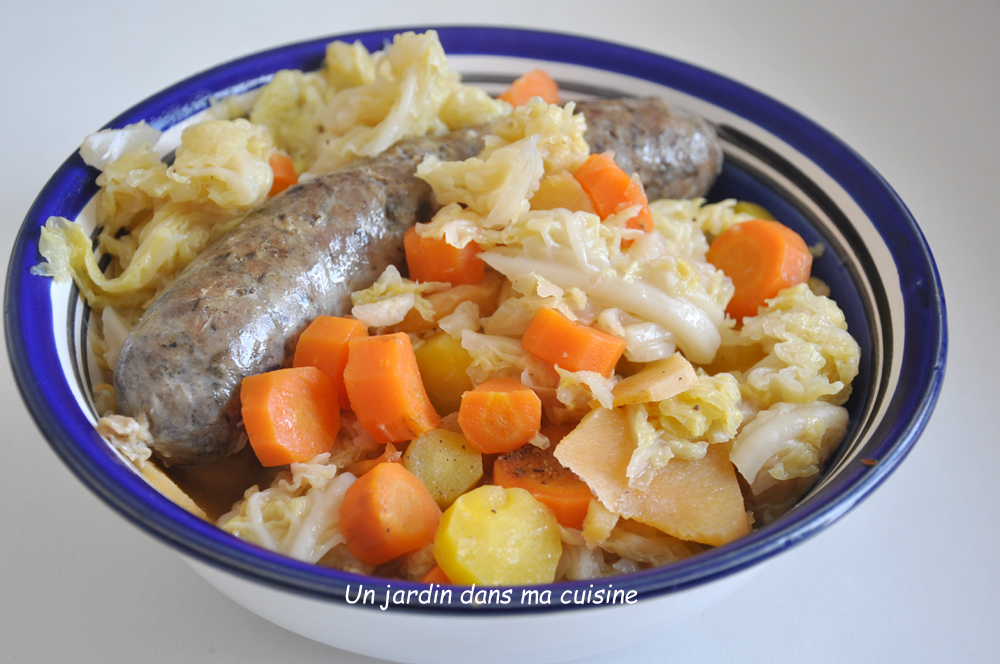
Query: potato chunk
{"type": "Point", "coordinates": [443, 364]}
{"type": "Point", "coordinates": [699, 501]}
{"type": "Point", "coordinates": [659, 381]}
{"type": "Point", "coordinates": [445, 462]}
{"type": "Point", "coordinates": [493, 536]}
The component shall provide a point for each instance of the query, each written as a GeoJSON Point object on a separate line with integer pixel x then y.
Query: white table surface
{"type": "Point", "coordinates": [910, 575]}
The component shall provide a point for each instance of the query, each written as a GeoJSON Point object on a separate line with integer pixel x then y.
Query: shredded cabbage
{"type": "Point", "coordinates": [156, 219]}
{"type": "Point", "coordinates": [787, 441]}
{"type": "Point", "coordinates": [496, 188]}
{"type": "Point", "coordinates": [560, 134]}
{"type": "Point", "coordinates": [298, 515]}
{"type": "Point", "coordinates": [682, 426]}
{"type": "Point", "coordinates": [387, 301]}
{"type": "Point", "coordinates": [403, 91]}
{"type": "Point", "coordinates": [810, 354]}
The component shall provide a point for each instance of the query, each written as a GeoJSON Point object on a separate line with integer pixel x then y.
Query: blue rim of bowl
{"type": "Point", "coordinates": [53, 407]}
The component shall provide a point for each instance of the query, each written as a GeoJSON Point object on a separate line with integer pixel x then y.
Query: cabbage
{"type": "Point", "coordinates": [108, 145]}
{"type": "Point", "coordinates": [560, 134]}
{"type": "Point", "coordinates": [496, 188]}
{"type": "Point", "coordinates": [644, 341]}
{"type": "Point", "coordinates": [515, 314]}
{"type": "Point", "coordinates": [571, 250]}
{"type": "Point", "coordinates": [464, 317]}
{"type": "Point", "coordinates": [579, 389]}
{"type": "Point", "coordinates": [493, 356]}
{"type": "Point", "coordinates": [682, 426]}
{"type": "Point", "coordinates": [387, 301]}
{"type": "Point", "coordinates": [290, 106]}
{"type": "Point", "coordinates": [156, 219]}
{"type": "Point", "coordinates": [787, 441]}
{"type": "Point", "coordinates": [298, 515]}
{"type": "Point", "coordinates": [810, 354]}
{"type": "Point", "coordinates": [398, 93]}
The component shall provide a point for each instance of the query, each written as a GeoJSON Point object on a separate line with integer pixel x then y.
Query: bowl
{"type": "Point", "coordinates": [877, 264]}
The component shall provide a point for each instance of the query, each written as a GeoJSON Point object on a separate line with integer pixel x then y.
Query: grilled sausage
{"type": "Point", "coordinates": [239, 307]}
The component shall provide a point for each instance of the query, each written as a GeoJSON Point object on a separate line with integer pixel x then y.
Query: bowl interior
{"type": "Point", "coordinates": [876, 263]}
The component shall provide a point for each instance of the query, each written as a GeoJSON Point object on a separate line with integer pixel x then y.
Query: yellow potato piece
{"type": "Point", "coordinates": [660, 380]}
{"type": "Point", "coordinates": [493, 536]}
{"type": "Point", "coordinates": [443, 364]}
{"type": "Point", "coordinates": [698, 501]}
{"type": "Point", "coordinates": [445, 462]}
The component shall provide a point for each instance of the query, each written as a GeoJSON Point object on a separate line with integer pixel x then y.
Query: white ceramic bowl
{"type": "Point", "coordinates": [877, 264]}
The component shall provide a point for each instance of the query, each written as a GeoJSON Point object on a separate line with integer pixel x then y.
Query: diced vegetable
{"type": "Point", "coordinates": [658, 381]}
{"type": "Point", "coordinates": [290, 414]}
{"type": "Point", "coordinates": [574, 347]}
{"type": "Point", "coordinates": [430, 259]}
{"type": "Point", "coordinates": [445, 462]}
{"type": "Point", "coordinates": [284, 173]}
{"type": "Point", "coordinates": [561, 190]}
{"type": "Point", "coordinates": [385, 390]}
{"type": "Point", "coordinates": [386, 513]}
{"type": "Point", "coordinates": [539, 473]}
{"type": "Point", "coordinates": [324, 345]}
{"type": "Point", "coordinates": [535, 83]}
{"type": "Point", "coordinates": [762, 258]}
{"type": "Point", "coordinates": [691, 500]}
{"type": "Point", "coordinates": [493, 536]}
{"type": "Point", "coordinates": [443, 364]}
{"type": "Point", "coordinates": [500, 415]}
{"type": "Point", "coordinates": [611, 190]}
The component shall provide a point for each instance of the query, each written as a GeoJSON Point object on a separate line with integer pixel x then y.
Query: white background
{"type": "Point", "coordinates": [911, 575]}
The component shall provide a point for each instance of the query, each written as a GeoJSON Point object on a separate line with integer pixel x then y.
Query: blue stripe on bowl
{"type": "Point", "coordinates": [44, 386]}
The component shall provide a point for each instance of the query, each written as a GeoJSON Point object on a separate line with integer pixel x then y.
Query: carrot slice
{"type": "Point", "coordinates": [386, 513]}
{"type": "Point", "coordinates": [500, 415]}
{"type": "Point", "coordinates": [762, 258]}
{"type": "Point", "coordinates": [535, 83]}
{"type": "Point", "coordinates": [324, 345]}
{"type": "Point", "coordinates": [384, 388]}
{"type": "Point", "coordinates": [436, 575]}
{"type": "Point", "coordinates": [611, 190]}
{"type": "Point", "coordinates": [290, 414]}
{"type": "Point", "coordinates": [429, 259]}
{"type": "Point", "coordinates": [574, 347]}
{"type": "Point", "coordinates": [539, 473]}
{"type": "Point", "coordinates": [284, 173]}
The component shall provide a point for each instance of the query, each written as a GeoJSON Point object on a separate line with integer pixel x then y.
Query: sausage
{"type": "Point", "coordinates": [238, 308]}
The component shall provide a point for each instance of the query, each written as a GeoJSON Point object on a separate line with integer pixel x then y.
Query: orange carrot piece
{"type": "Point", "coordinates": [762, 258]}
{"type": "Point", "coordinates": [500, 415]}
{"type": "Point", "coordinates": [284, 173]}
{"type": "Point", "coordinates": [436, 575]}
{"type": "Point", "coordinates": [386, 513]}
{"type": "Point", "coordinates": [535, 83]}
{"type": "Point", "coordinates": [290, 414]}
{"type": "Point", "coordinates": [539, 473]}
{"type": "Point", "coordinates": [324, 345]}
{"type": "Point", "coordinates": [574, 347]}
{"type": "Point", "coordinates": [390, 455]}
{"type": "Point", "coordinates": [385, 390]}
{"type": "Point", "coordinates": [436, 260]}
{"type": "Point", "coordinates": [611, 190]}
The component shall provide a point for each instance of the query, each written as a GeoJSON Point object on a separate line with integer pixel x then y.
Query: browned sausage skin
{"type": "Point", "coordinates": [239, 307]}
